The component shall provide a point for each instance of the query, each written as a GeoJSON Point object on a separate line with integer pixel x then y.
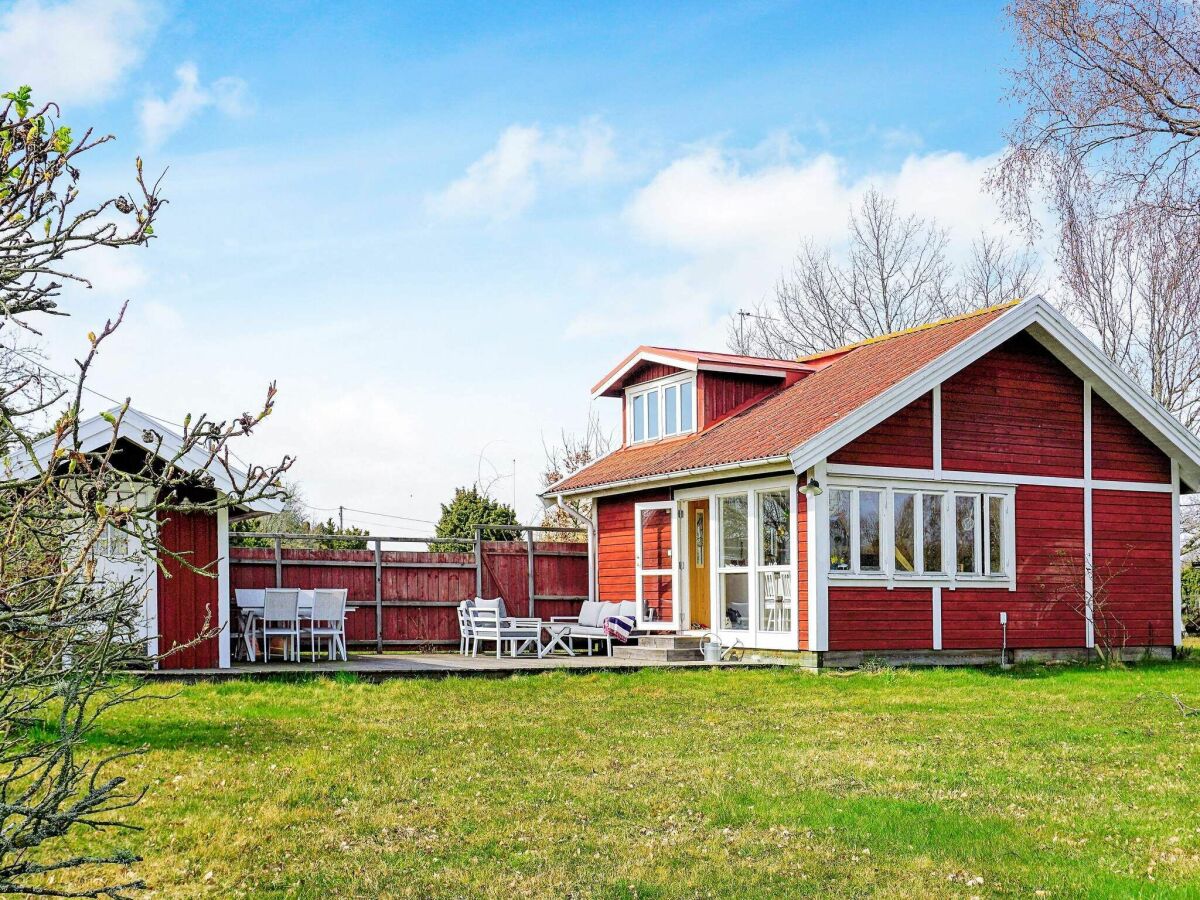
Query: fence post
{"type": "Point", "coordinates": [278, 562]}
{"type": "Point", "coordinates": [478, 561]}
{"type": "Point", "coordinates": [529, 549]}
{"type": "Point", "coordinates": [378, 596]}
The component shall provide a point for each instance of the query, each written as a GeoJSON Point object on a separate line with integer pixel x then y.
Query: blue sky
{"type": "Point", "coordinates": [436, 225]}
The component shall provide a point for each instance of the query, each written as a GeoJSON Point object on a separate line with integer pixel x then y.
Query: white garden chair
{"type": "Point", "coordinates": [777, 589]}
{"type": "Point", "coordinates": [281, 618]}
{"type": "Point", "coordinates": [518, 633]}
{"type": "Point", "coordinates": [464, 626]}
{"type": "Point", "coordinates": [327, 620]}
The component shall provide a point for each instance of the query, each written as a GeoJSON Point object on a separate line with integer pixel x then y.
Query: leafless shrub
{"type": "Point", "coordinates": [70, 626]}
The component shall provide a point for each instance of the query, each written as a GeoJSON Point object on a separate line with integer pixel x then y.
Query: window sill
{"type": "Point", "coordinates": [863, 579]}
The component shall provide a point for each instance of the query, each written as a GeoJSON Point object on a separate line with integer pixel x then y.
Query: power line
{"type": "Point", "coordinates": [160, 419]}
{"type": "Point", "coordinates": [368, 512]}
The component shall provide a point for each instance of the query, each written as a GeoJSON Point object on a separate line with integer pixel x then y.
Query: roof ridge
{"type": "Point", "coordinates": [948, 320]}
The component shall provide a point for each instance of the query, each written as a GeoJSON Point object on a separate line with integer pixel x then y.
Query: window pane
{"type": "Point", "coordinates": [839, 531]}
{"type": "Point", "coordinates": [651, 414]}
{"type": "Point", "coordinates": [996, 535]}
{"type": "Point", "coordinates": [670, 396]}
{"type": "Point", "coordinates": [774, 528]}
{"type": "Point", "coordinates": [904, 521]}
{"type": "Point", "coordinates": [656, 538]}
{"type": "Point", "coordinates": [733, 531]}
{"type": "Point", "coordinates": [639, 417]}
{"type": "Point", "coordinates": [931, 534]}
{"type": "Point", "coordinates": [735, 601]}
{"type": "Point", "coordinates": [685, 406]}
{"type": "Point", "coordinates": [964, 532]}
{"type": "Point", "coordinates": [775, 601]}
{"type": "Point", "coordinates": [868, 531]}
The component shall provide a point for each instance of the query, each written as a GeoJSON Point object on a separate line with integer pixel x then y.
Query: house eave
{"type": "Point", "coordinates": [762, 465]}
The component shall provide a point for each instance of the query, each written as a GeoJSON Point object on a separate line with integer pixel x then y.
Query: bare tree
{"type": "Point", "coordinates": [1110, 92]}
{"type": "Point", "coordinates": [1137, 291]}
{"type": "Point", "coordinates": [894, 275]}
{"type": "Point", "coordinates": [1091, 596]}
{"type": "Point", "coordinates": [997, 272]}
{"type": "Point", "coordinates": [571, 454]}
{"type": "Point", "coordinates": [68, 621]}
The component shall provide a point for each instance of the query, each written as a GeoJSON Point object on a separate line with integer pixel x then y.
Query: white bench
{"type": "Point", "coordinates": [589, 624]}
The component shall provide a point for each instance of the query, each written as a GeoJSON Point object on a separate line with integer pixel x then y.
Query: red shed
{"type": "Point", "coordinates": [931, 494]}
{"type": "Point", "coordinates": [179, 604]}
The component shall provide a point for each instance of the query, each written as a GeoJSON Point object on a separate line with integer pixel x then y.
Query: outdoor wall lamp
{"type": "Point", "coordinates": [813, 488]}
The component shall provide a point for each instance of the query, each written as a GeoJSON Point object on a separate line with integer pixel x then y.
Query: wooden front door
{"type": "Point", "coordinates": [699, 603]}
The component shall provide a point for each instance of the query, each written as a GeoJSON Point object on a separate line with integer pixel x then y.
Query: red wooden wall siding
{"type": "Point", "coordinates": [1132, 545]}
{"type": "Point", "coordinates": [1049, 558]}
{"type": "Point", "coordinates": [187, 600]}
{"type": "Point", "coordinates": [615, 557]}
{"type": "Point", "coordinates": [1122, 453]}
{"type": "Point", "coordinates": [1017, 410]}
{"type": "Point", "coordinates": [802, 571]}
{"type": "Point", "coordinates": [903, 439]}
{"type": "Point", "coordinates": [879, 619]}
{"type": "Point", "coordinates": [721, 394]}
{"type": "Point", "coordinates": [649, 371]}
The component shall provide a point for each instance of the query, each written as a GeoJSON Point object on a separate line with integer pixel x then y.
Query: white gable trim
{"type": "Point", "coordinates": [636, 360]}
{"type": "Point", "coordinates": [684, 365]}
{"type": "Point", "coordinates": [96, 432]}
{"type": "Point", "coordinates": [1050, 328]}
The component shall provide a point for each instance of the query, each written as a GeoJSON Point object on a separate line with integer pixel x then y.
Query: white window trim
{"type": "Point", "coordinates": [754, 636]}
{"type": "Point", "coordinates": [888, 576]}
{"type": "Point", "coordinates": [660, 385]}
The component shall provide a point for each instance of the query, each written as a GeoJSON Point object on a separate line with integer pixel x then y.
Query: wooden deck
{"type": "Point", "coordinates": [378, 667]}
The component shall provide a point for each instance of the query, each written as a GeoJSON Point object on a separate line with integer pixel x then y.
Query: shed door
{"type": "Point", "coordinates": [187, 600]}
{"type": "Point", "coordinates": [654, 532]}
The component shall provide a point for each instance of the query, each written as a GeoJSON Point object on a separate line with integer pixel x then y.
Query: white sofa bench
{"type": "Point", "coordinates": [589, 624]}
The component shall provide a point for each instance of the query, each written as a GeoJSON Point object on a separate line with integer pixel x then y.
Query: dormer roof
{"type": "Point", "coordinates": [612, 384]}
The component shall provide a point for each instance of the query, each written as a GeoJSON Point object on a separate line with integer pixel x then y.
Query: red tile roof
{"type": "Point", "coordinates": [774, 427]}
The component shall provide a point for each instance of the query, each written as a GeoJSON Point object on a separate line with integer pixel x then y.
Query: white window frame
{"type": "Point", "coordinates": [754, 636]}
{"type": "Point", "coordinates": [659, 411]}
{"type": "Point", "coordinates": [946, 491]}
{"type": "Point", "coordinates": [643, 573]}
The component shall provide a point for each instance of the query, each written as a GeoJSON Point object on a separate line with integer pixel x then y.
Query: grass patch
{"type": "Point", "coordinates": [1054, 782]}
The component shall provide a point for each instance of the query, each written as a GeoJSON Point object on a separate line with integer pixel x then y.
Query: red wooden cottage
{"type": "Point", "coordinates": [178, 604]}
{"type": "Point", "coordinates": [990, 479]}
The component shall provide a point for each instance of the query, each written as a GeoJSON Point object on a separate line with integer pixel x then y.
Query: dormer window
{"type": "Point", "coordinates": [661, 408]}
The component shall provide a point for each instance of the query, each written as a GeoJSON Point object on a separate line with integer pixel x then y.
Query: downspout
{"type": "Point", "coordinates": [587, 523]}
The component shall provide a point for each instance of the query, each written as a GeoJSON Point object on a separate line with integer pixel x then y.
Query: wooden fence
{"type": "Point", "coordinates": [405, 598]}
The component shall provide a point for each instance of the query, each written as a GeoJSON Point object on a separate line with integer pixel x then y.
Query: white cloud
{"type": "Point", "coordinates": [738, 221]}
{"type": "Point", "coordinates": [77, 51]}
{"type": "Point", "coordinates": [162, 118]}
{"type": "Point", "coordinates": [505, 181]}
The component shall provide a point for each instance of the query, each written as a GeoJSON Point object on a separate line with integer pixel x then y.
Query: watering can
{"type": "Point", "coordinates": [710, 648]}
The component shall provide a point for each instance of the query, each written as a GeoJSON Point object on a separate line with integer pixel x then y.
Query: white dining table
{"type": "Point", "coordinates": [250, 609]}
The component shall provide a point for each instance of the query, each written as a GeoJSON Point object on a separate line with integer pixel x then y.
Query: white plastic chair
{"type": "Point", "coordinates": [281, 618]}
{"type": "Point", "coordinates": [518, 633]}
{"type": "Point", "coordinates": [327, 620]}
{"type": "Point", "coordinates": [464, 628]}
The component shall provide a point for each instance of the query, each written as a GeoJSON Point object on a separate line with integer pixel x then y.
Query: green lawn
{"type": "Point", "coordinates": [1038, 782]}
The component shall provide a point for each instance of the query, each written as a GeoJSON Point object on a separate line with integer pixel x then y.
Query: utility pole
{"type": "Point", "coordinates": [341, 520]}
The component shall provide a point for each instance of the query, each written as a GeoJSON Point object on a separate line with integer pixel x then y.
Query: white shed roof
{"type": "Point", "coordinates": [97, 432]}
